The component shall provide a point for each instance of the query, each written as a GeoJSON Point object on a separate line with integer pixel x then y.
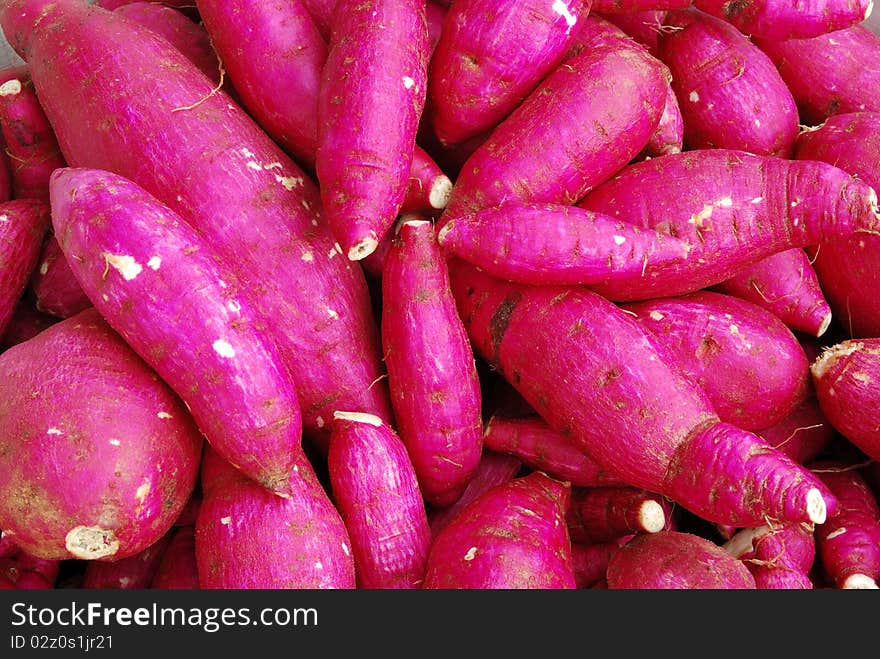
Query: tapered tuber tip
{"type": "Point", "coordinates": [358, 417]}
{"type": "Point", "coordinates": [652, 517]}
{"type": "Point", "coordinates": [363, 248]}
{"type": "Point", "coordinates": [816, 507]}
{"type": "Point", "coordinates": [441, 190]}
{"type": "Point", "coordinates": [824, 325]}
{"type": "Point", "coordinates": [859, 582]}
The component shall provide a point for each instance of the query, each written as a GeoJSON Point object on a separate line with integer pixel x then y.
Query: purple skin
{"type": "Point", "coordinates": [848, 269]}
{"type": "Point", "coordinates": [542, 448]}
{"type": "Point", "coordinates": [246, 537]}
{"type": "Point", "coordinates": [729, 92]}
{"type": "Point", "coordinates": [585, 121]}
{"type": "Point", "coordinates": [845, 378]}
{"type": "Point", "coordinates": [179, 305]}
{"type": "Point", "coordinates": [779, 557]}
{"type": "Point", "coordinates": [490, 56]}
{"type": "Point", "coordinates": [134, 572]}
{"type": "Point", "coordinates": [804, 433]}
{"type": "Point", "coordinates": [782, 21]}
{"type": "Point", "coordinates": [829, 74]}
{"type": "Point", "coordinates": [733, 209]}
{"type": "Point", "coordinates": [178, 569]}
{"type": "Point", "coordinates": [545, 244]}
{"type": "Point", "coordinates": [227, 178]}
{"type": "Point", "coordinates": [29, 140]}
{"type": "Point", "coordinates": [189, 37]}
{"type": "Point", "coordinates": [643, 26]}
{"type": "Point", "coordinates": [629, 7]}
{"type": "Point", "coordinates": [593, 31]}
{"type": "Point", "coordinates": [603, 514]}
{"type": "Point", "coordinates": [669, 136]}
{"type": "Point", "coordinates": [321, 12]}
{"type": "Point", "coordinates": [26, 222]}
{"type": "Point", "coordinates": [274, 59]}
{"type": "Point", "coordinates": [591, 561]}
{"type": "Point", "coordinates": [26, 323]}
{"type": "Point", "coordinates": [494, 469]}
{"type": "Point", "coordinates": [432, 375]}
{"type": "Point", "coordinates": [376, 491]}
{"type": "Point", "coordinates": [751, 366]}
{"type": "Point", "coordinates": [675, 560]}
{"type": "Point", "coordinates": [786, 285]}
{"type": "Point", "coordinates": [514, 536]}
{"type": "Point", "coordinates": [100, 458]}
{"type": "Point", "coordinates": [848, 544]}
{"type": "Point", "coordinates": [646, 421]}
{"type": "Point", "coordinates": [428, 188]}
{"type": "Point", "coordinates": [371, 98]}
{"type": "Point", "coordinates": [55, 288]}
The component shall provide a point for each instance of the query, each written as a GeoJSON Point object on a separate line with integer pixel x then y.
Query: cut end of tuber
{"type": "Point", "coordinates": [358, 417]}
{"type": "Point", "coordinates": [824, 325]}
{"type": "Point", "coordinates": [859, 582]}
{"type": "Point", "coordinates": [10, 87]}
{"type": "Point", "coordinates": [830, 356]}
{"type": "Point", "coordinates": [91, 542]}
{"type": "Point", "coordinates": [363, 248]}
{"type": "Point", "coordinates": [441, 190]}
{"type": "Point", "coordinates": [652, 517]}
{"type": "Point", "coordinates": [816, 508]}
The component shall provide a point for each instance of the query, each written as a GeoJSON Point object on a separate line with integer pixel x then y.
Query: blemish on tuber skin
{"type": "Point", "coordinates": [91, 542]}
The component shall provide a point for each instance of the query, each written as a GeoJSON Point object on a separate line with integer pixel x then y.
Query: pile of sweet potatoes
{"type": "Point", "coordinates": [421, 294]}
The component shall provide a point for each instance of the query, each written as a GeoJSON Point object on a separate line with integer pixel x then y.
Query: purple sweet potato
{"type": "Point", "coordinates": [428, 188]}
{"type": "Point", "coordinates": [54, 286]}
{"type": "Point", "coordinates": [178, 569]}
{"type": "Point", "coordinates": [149, 114]}
{"type": "Point", "coordinates": [602, 514]}
{"type": "Point", "coordinates": [730, 93]}
{"type": "Point", "coordinates": [804, 432]}
{"type": "Point", "coordinates": [629, 7]}
{"type": "Point", "coordinates": [96, 461]}
{"type": "Point", "coordinates": [634, 412]}
{"type": "Point", "coordinates": [24, 224]}
{"type": "Point", "coordinates": [781, 20]}
{"type": "Point", "coordinates": [490, 56]}
{"type": "Point", "coordinates": [371, 98]}
{"type": "Point", "coordinates": [377, 493]}
{"type": "Point", "coordinates": [246, 537]}
{"type": "Point", "coordinates": [848, 543]}
{"type": "Point", "coordinates": [584, 121]}
{"type": "Point", "coordinates": [132, 573]}
{"type": "Point", "coordinates": [542, 448]}
{"type": "Point", "coordinates": [675, 560]}
{"type": "Point", "coordinates": [514, 536]}
{"type": "Point", "coordinates": [780, 557]}
{"type": "Point", "coordinates": [274, 59]}
{"type": "Point", "coordinates": [432, 376]}
{"type": "Point", "coordinates": [848, 269]}
{"type": "Point", "coordinates": [845, 377]}
{"type": "Point", "coordinates": [786, 284]}
{"type": "Point", "coordinates": [590, 561]}
{"type": "Point", "coordinates": [185, 34]}
{"type": "Point", "coordinates": [30, 141]}
{"type": "Point", "coordinates": [181, 307]}
{"type": "Point", "coordinates": [494, 469]}
{"type": "Point", "coordinates": [321, 12]}
{"type": "Point", "coordinates": [26, 322]}
{"type": "Point", "coordinates": [751, 366]}
{"type": "Point", "coordinates": [537, 243]}
{"type": "Point", "coordinates": [594, 31]}
{"type": "Point", "coordinates": [643, 26]}
{"type": "Point", "coordinates": [829, 74]}
{"type": "Point", "coordinates": [732, 208]}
